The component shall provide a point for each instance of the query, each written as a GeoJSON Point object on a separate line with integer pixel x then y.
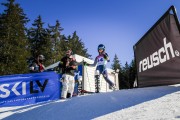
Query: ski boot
{"type": "Point", "coordinates": [97, 81]}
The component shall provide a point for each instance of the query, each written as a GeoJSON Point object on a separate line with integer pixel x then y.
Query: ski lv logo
{"type": "Point", "coordinates": [24, 89]}
{"type": "Point", "coordinates": [21, 88]}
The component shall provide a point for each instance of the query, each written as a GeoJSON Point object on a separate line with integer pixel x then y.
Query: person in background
{"type": "Point", "coordinates": [68, 65]}
{"type": "Point", "coordinates": [101, 61]}
{"type": "Point", "coordinates": [37, 65]}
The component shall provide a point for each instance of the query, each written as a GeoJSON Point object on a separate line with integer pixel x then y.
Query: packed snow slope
{"type": "Point", "coordinates": [152, 103]}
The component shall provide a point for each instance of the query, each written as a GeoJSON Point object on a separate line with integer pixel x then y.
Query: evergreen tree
{"type": "Point", "coordinates": [64, 45]}
{"type": "Point", "coordinates": [55, 32]}
{"type": "Point", "coordinates": [78, 46]}
{"type": "Point", "coordinates": [116, 63]}
{"type": "Point", "coordinates": [13, 40]}
{"type": "Point", "coordinates": [125, 77]}
{"type": "Point", "coordinates": [40, 41]}
{"type": "Point", "coordinates": [132, 73]}
{"type": "Point", "coordinates": [117, 66]}
{"type": "Point", "coordinates": [75, 44]}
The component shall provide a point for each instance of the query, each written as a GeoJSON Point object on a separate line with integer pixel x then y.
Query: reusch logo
{"type": "Point", "coordinates": [158, 57]}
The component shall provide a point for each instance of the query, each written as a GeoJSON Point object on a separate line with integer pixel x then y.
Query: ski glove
{"type": "Point", "coordinates": [106, 57]}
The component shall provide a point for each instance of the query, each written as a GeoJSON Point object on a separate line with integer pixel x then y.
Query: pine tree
{"type": "Point", "coordinates": [132, 73]}
{"type": "Point", "coordinates": [13, 39]}
{"type": "Point", "coordinates": [117, 66]}
{"type": "Point", "coordinates": [116, 63]}
{"type": "Point", "coordinates": [79, 47]}
{"type": "Point", "coordinates": [64, 45]}
{"type": "Point", "coordinates": [125, 77]}
{"type": "Point", "coordinates": [55, 32]}
{"type": "Point", "coordinates": [40, 41]}
{"type": "Point", "coordinates": [75, 44]}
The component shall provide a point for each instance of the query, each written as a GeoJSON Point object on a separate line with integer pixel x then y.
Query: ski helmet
{"type": "Point", "coordinates": [101, 46]}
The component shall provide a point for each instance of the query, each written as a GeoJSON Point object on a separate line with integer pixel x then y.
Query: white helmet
{"type": "Point", "coordinates": [41, 57]}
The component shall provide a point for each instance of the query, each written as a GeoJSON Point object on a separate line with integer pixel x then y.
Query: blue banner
{"type": "Point", "coordinates": [76, 77]}
{"type": "Point", "coordinates": [23, 89]}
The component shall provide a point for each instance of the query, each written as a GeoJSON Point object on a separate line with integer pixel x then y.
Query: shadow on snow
{"type": "Point", "coordinates": [91, 106]}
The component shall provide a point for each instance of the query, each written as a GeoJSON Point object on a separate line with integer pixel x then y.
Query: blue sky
{"type": "Point", "coordinates": [118, 24]}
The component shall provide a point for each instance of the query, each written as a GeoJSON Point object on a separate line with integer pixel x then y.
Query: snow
{"type": "Point", "coordinates": [152, 103]}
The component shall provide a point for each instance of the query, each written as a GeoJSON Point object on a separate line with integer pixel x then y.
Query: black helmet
{"type": "Point", "coordinates": [101, 46]}
{"type": "Point", "coordinates": [73, 63]}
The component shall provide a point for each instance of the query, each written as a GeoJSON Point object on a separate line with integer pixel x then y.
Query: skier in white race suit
{"type": "Point", "coordinates": [101, 61]}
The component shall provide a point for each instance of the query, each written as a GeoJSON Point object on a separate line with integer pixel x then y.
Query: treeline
{"type": "Point", "coordinates": [127, 73]}
{"type": "Point", "coordinates": [19, 45]}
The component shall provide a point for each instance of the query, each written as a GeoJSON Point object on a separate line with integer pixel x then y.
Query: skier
{"type": "Point", "coordinates": [68, 67]}
{"type": "Point", "coordinates": [101, 61]}
{"type": "Point", "coordinates": [37, 65]}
